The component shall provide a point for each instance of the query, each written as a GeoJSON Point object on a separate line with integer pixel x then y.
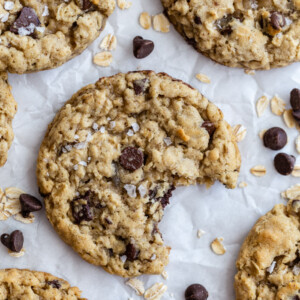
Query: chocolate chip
{"type": "Point", "coordinates": [108, 221]}
{"type": "Point", "coordinates": [277, 20]}
{"type": "Point", "coordinates": [209, 126]}
{"type": "Point", "coordinates": [295, 99]}
{"type": "Point", "coordinates": [164, 200]}
{"type": "Point", "coordinates": [223, 25]}
{"type": "Point", "coordinates": [142, 48]}
{"type": "Point", "coordinates": [131, 158]}
{"type": "Point", "coordinates": [14, 241]}
{"type": "Point", "coordinates": [139, 86]}
{"type": "Point", "coordinates": [284, 163]}
{"type": "Point", "coordinates": [197, 20]}
{"type": "Point", "coordinates": [81, 210]}
{"type": "Point", "coordinates": [131, 252]}
{"type": "Point", "coordinates": [29, 204]}
{"type": "Point", "coordinates": [296, 297]}
{"type": "Point", "coordinates": [275, 138]}
{"type": "Point", "coordinates": [54, 283]}
{"type": "Point", "coordinates": [26, 17]}
{"type": "Point", "coordinates": [196, 292]}
{"type": "Point", "coordinates": [86, 4]}
{"type": "Point", "coordinates": [296, 115]}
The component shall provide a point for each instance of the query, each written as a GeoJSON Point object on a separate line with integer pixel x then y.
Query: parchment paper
{"type": "Point", "coordinates": [218, 211]}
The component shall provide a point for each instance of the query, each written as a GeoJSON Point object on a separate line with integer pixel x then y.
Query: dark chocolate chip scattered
{"type": "Point", "coordinates": [142, 48]}
{"type": "Point", "coordinates": [29, 204]}
{"type": "Point", "coordinates": [131, 252]}
{"type": "Point", "coordinates": [81, 210]}
{"type": "Point", "coordinates": [296, 297]}
{"type": "Point", "coordinates": [197, 20]}
{"type": "Point", "coordinates": [54, 283]}
{"type": "Point", "coordinates": [26, 17]}
{"type": "Point", "coordinates": [209, 126]}
{"type": "Point", "coordinates": [13, 241]}
{"type": "Point", "coordinates": [277, 20]}
{"type": "Point", "coordinates": [295, 99]}
{"type": "Point", "coordinates": [284, 163]}
{"type": "Point", "coordinates": [131, 158]}
{"type": "Point", "coordinates": [139, 86]}
{"type": "Point", "coordinates": [275, 138]}
{"type": "Point", "coordinates": [196, 292]}
{"type": "Point", "coordinates": [164, 200]}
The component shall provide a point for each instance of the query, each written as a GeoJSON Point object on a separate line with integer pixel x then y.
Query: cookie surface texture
{"type": "Point", "coordinates": [8, 110]}
{"type": "Point", "coordinates": [38, 35]}
{"type": "Point", "coordinates": [268, 263]}
{"type": "Point", "coordinates": [17, 284]}
{"type": "Point", "coordinates": [112, 157]}
{"type": "Point", "coordinates": [248, 34]}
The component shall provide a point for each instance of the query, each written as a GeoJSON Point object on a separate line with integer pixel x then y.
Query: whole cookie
{"type": "Point", "coordinates": [20, 284]}
{"type": "Point", "coordinates": [269, 261]}
{"type": "Point", "coordinates": [112, 157]}
{"type": "Point", "coordinates": [248, 34]}
{"type": "Point", "coordinates": [38, 35]}
{"type": "Point", "coordinates": [8, 110]}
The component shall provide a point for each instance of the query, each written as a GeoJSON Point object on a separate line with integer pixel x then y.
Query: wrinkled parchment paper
{"type": "Point", "coordinates": [218, 211]}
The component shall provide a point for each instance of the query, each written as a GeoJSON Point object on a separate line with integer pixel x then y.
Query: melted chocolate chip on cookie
{"type": "Point", "coordinates": [131, 158]}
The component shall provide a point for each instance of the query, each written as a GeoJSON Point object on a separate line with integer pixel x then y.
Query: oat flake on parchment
{"type": "Point", "coordinates": [17, 254]}
{"type": "Point", "coordinates": [292, 193]}
{"type": "Point", "coordinates": [261, 105]}
{"type": "Point", "coordinates": [277, 106]}
{"type": "Point", "coordinates": [103, 59]}
{"type": "Point", "coordinates": [161, 23]}
{"type": "Point", "coordinates": [258, 171]}
{"type": "Point", "coordinates": [289, 119]}
{"type": "Point", "coordinates": [123, 4]}
{"type": "Point", "coordinates": [137, 285]}
{"type": "Point", "coordinates": [239, 132]}
{"type": "Point", "coordinates": [156, 291]}
{"type": "Point", "coordinates": [217, 246]}
{"type": "Point", "coordinates": [203, 78]}
{"type": "Point", "coordinates": [145, 20]}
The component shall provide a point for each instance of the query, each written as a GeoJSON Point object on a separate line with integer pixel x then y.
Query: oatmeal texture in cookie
{"type": "Point", "coordinates": [269, 261]}
{"type": "Point", "coordinates": [8, 109]}
{"type": "Point", "coordinates": [252, 34]}
{"type": "Point", "coordinates": [112, 157]}
{"type": "Point", "coordinates": [38, 35]}
{"type": "Point", "coordinates": [18, 284]}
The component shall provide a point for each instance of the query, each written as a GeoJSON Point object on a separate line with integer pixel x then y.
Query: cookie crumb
{"type": "Point", "coordinates": [161, 23]}
{"type": "Point", "coordinates": [137, 285]}
{"type": "Point", "coordinates": [200, 233]}
{"type": "Point", "coordinates": [258, 171]}
{"type": "Point", "coordinates": [123, 4]}
{"type": "Point", "coordinates": [289, 119]}
{"type": "Point", "coordinates": [109, 42]}
{"type": "Point", "coordinates": [249, 72]}
{"type": "Point", "coordinates": [239, 132]}
{"type": "Point", "coordinates": [145, 20]}
{"type": "Point", "coordinates": [203, 78]}
{"type": "Point", "coordinates": [103, 59]}
{"type": "Point", "coordinates": [155, 292]}
{"type": "Point", "coordinates": [277, 106]}
{"type": "Point", "coordinates": [243, 184]}
{"type": "Point", "coordinates": [261, 105]}
{"type": "Point", "coordinates": [164, 275]}
{"type": "Point", "coordinates": [217, 246]}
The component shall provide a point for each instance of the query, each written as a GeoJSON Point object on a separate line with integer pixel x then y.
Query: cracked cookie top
{"type": "Point", "coordinates": [40, 34]}
{"type": "Point", "coordinates": [20, 284]}
{"type": "Point", "coordinates": [269, 261]}
{"type": "Point", "coordinates": [112, 157]}
{"type": "Point", "coordinates": [8, 109]}
{"type": "Point", "coordinates": [254, 34]}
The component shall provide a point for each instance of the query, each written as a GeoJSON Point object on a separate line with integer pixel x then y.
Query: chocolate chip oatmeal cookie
{"type": "Point", "coordinates": [8, 109]}
{"type": "Point", "coordinates": [254, 34]}
{"type": "Point", "coordinates": [16, 284]}
{"type": "Point", "coordinates": [269, 260]}
{"type": "Point", "coordinates": [38, 35]}
{"type": "Point", "coordinates": [112, 157]}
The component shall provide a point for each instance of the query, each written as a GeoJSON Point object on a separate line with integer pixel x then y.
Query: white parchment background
{"type": "Point", "coordinates": [218, 211]}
